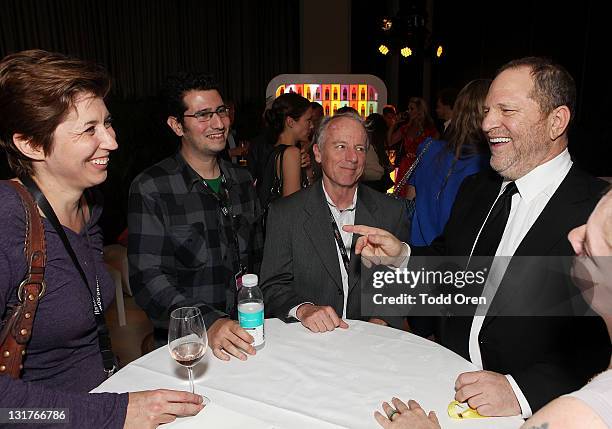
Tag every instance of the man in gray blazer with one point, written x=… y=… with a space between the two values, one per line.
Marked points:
x=310 y=271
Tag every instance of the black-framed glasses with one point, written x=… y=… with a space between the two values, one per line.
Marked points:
x=207 y=115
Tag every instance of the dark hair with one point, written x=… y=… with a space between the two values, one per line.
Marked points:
x=464 y=134
x=389 y=108
x=448 y=96
x=553 y=86
x=347 y=109
x=286 y=105
x=177 y=85
x=37 y=91
x=316 y=106
x=377 y=129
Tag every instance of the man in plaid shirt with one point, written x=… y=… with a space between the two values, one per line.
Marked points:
x=194 y=222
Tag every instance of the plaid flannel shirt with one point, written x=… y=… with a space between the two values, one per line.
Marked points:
x=181 y=245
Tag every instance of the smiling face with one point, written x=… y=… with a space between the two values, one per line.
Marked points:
x=342 y=155
x=518 y=132
x=81 y=146
x=201 y=139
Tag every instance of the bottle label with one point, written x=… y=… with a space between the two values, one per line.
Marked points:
x=251 y=317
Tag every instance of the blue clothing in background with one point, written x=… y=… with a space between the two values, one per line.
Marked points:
x=436 y=189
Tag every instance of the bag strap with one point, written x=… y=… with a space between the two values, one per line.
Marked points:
x=279 y=175
x=17 y=330
x=108 y=357
x=402 y=183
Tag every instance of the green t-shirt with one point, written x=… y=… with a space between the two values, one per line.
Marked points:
x=214 y=184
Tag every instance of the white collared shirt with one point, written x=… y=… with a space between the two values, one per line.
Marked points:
x=534 y=191
x=342 y=217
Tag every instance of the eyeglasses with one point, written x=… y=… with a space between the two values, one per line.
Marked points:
x=205 y=115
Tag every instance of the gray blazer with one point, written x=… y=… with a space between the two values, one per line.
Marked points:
x=300 y=262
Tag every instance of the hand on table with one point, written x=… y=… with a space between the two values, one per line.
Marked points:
x=487 y=392
x=406 y=416
x=151 y=408
x=226 y=335
x=378 y=246
x=319 y=319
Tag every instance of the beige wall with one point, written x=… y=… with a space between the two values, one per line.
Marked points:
x=326 y=36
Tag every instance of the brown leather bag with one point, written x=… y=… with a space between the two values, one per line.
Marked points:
x=16 y=328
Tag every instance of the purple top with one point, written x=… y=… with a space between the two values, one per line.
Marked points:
x=63 y=360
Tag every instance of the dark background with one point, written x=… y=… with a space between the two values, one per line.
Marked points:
x=246 y=43
x=479 y=36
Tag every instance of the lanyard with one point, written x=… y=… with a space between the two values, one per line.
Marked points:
x=339 y=242
x=223 y=200
x=104 y=342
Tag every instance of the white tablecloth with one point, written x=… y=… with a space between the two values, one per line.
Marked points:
x=307 y=380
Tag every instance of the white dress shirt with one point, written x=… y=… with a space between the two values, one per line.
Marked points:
x=342 y=217
x=534 y=191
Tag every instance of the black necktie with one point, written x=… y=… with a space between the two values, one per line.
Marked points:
x=493 y=229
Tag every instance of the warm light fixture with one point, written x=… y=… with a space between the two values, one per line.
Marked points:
x=406 y=52
x=383 y=49
x=439 y=51
x=387 y=24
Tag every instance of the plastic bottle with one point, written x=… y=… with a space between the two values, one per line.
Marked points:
x=251 y=310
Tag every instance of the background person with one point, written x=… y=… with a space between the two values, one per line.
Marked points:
x=445 y=164
x=410 y=135
x=445 y=106
x=290 y=122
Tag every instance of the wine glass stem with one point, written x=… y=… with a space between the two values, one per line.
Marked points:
x=191 y=379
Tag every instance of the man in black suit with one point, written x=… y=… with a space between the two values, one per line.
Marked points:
x=310 y=271
x=526 y=361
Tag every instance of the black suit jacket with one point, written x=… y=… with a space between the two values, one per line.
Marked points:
x=526 y=332
x=300 y=261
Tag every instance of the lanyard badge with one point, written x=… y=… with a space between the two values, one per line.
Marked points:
x=223 y=199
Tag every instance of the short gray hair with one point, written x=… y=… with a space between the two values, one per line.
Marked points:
x=319 y=136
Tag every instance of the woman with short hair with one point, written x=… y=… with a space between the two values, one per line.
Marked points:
x=58 y=136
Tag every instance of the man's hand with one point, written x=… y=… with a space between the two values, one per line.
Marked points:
x=319 y=319
x=227 y=335
x=151 y=408
x=487 y=392
x=406 y=416
x=377 y=321
x=378 y=246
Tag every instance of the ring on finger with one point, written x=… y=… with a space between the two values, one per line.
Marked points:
x=392 y=413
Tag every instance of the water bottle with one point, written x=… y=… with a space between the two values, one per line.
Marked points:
x=251 y=310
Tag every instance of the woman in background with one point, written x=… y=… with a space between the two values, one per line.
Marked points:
x=290 y=122
x=377 y=166
x=419 y=127
x=445 y=164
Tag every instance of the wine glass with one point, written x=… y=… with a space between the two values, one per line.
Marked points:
x=187 y=339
